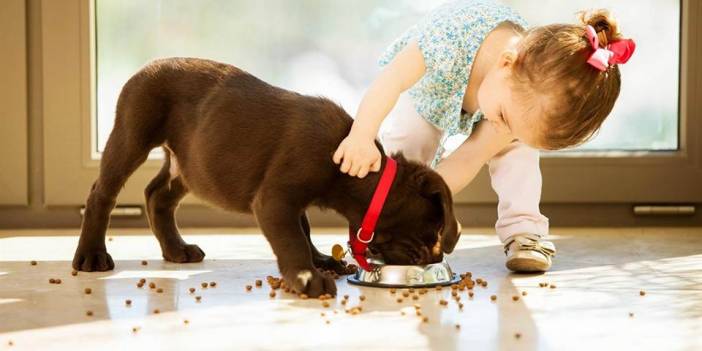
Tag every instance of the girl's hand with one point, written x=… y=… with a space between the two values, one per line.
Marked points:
x=359 y=155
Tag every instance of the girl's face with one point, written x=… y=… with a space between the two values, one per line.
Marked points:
x=505 y=110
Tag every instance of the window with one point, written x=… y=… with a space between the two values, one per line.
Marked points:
x=330 y=47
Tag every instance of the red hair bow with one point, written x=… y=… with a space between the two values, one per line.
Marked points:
x=616 y=52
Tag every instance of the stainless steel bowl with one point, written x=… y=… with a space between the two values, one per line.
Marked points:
x=393 y=276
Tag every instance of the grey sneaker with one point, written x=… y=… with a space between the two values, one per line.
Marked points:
x=528 y=253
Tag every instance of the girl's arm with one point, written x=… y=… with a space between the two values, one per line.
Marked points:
x=358 y=150
x=459 y=168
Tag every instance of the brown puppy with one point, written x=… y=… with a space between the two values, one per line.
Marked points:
x=244 y=145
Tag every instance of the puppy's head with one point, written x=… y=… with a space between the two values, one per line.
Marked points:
x=417 y=224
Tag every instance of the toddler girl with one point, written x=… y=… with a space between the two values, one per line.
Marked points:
x=471 y=68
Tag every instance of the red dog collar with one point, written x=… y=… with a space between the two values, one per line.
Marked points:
x=359 y=240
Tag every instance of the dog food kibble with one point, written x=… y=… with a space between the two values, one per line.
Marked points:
x=327 y=321
x=343 y=302
x=109 y=239
x=272 y=294
x=524 y=293
x=415 y=297
x=152 y=285
x=425 y=319
x=470 y=294
x=399 y=300
x=10 y=343
x=140 y=285
x=418 y=313
x=458 y=326
x=553 y=286
x=460 y=306
x=192 y=290
x=156 y=311
x=454 y=286
x=89 y=313
x=259 y=283
x=135 y=329
x=392 y=290
x=142 y=280
x=52 y=281
x=159 y=290
x=128 y=302
x=304 y=296
x=515 y=298
x=517 y=335
x=213 y=284
x=248 y=288
x=484 y=284
x=411 y=290
x=346 y=297
x=74 y=273
x=402 y=313
x=33 y=263
x=325 y=304
x=204 y=285
x=493 y=297
x=362 y=297
x=88 y=291
x=438 y=288
x=631 y=314
x=642 y=293
x=185 y=321
x=405 y=294
x=479 y=281
x=144 y=263
x=454 y=293
x=443 y=302
x=198 y=298
x=58 y=281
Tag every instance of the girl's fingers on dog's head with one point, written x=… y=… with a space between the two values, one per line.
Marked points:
x=338 y=155
x=363 y=172
x=355 y=167
x=376 y=165
x=346 y=165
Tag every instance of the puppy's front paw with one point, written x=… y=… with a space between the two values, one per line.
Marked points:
x=89 y=260
x=328 y=263
x=310 y=282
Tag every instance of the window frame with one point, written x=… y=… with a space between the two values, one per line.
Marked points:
x=68 y=67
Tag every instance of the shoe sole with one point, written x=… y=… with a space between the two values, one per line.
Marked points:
x=526 y=265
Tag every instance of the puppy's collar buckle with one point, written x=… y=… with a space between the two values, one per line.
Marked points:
x=358 y=236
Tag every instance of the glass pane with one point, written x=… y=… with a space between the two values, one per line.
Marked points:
x=326 y=47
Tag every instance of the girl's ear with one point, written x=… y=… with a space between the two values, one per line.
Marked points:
x=507 y=58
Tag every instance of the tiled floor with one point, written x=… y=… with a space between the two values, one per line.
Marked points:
x=598 y=274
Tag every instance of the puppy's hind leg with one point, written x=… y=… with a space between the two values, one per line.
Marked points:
x=163 y=194
x=119 y=160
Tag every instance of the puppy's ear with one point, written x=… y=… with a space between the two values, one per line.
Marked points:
x=435 y=188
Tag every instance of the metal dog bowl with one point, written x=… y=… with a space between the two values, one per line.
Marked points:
x=393 y=276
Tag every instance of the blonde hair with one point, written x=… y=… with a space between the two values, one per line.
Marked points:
x=552 y=59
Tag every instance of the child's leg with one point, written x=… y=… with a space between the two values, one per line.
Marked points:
x=407 y=131
x=516 y=178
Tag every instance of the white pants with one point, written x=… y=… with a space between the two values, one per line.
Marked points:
x=514 y=172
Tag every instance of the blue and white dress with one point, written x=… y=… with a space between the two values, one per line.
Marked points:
x=449 y=38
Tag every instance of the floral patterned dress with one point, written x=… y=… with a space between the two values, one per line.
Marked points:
x=449 y=38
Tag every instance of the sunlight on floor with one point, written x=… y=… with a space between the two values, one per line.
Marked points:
x=613 y=289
